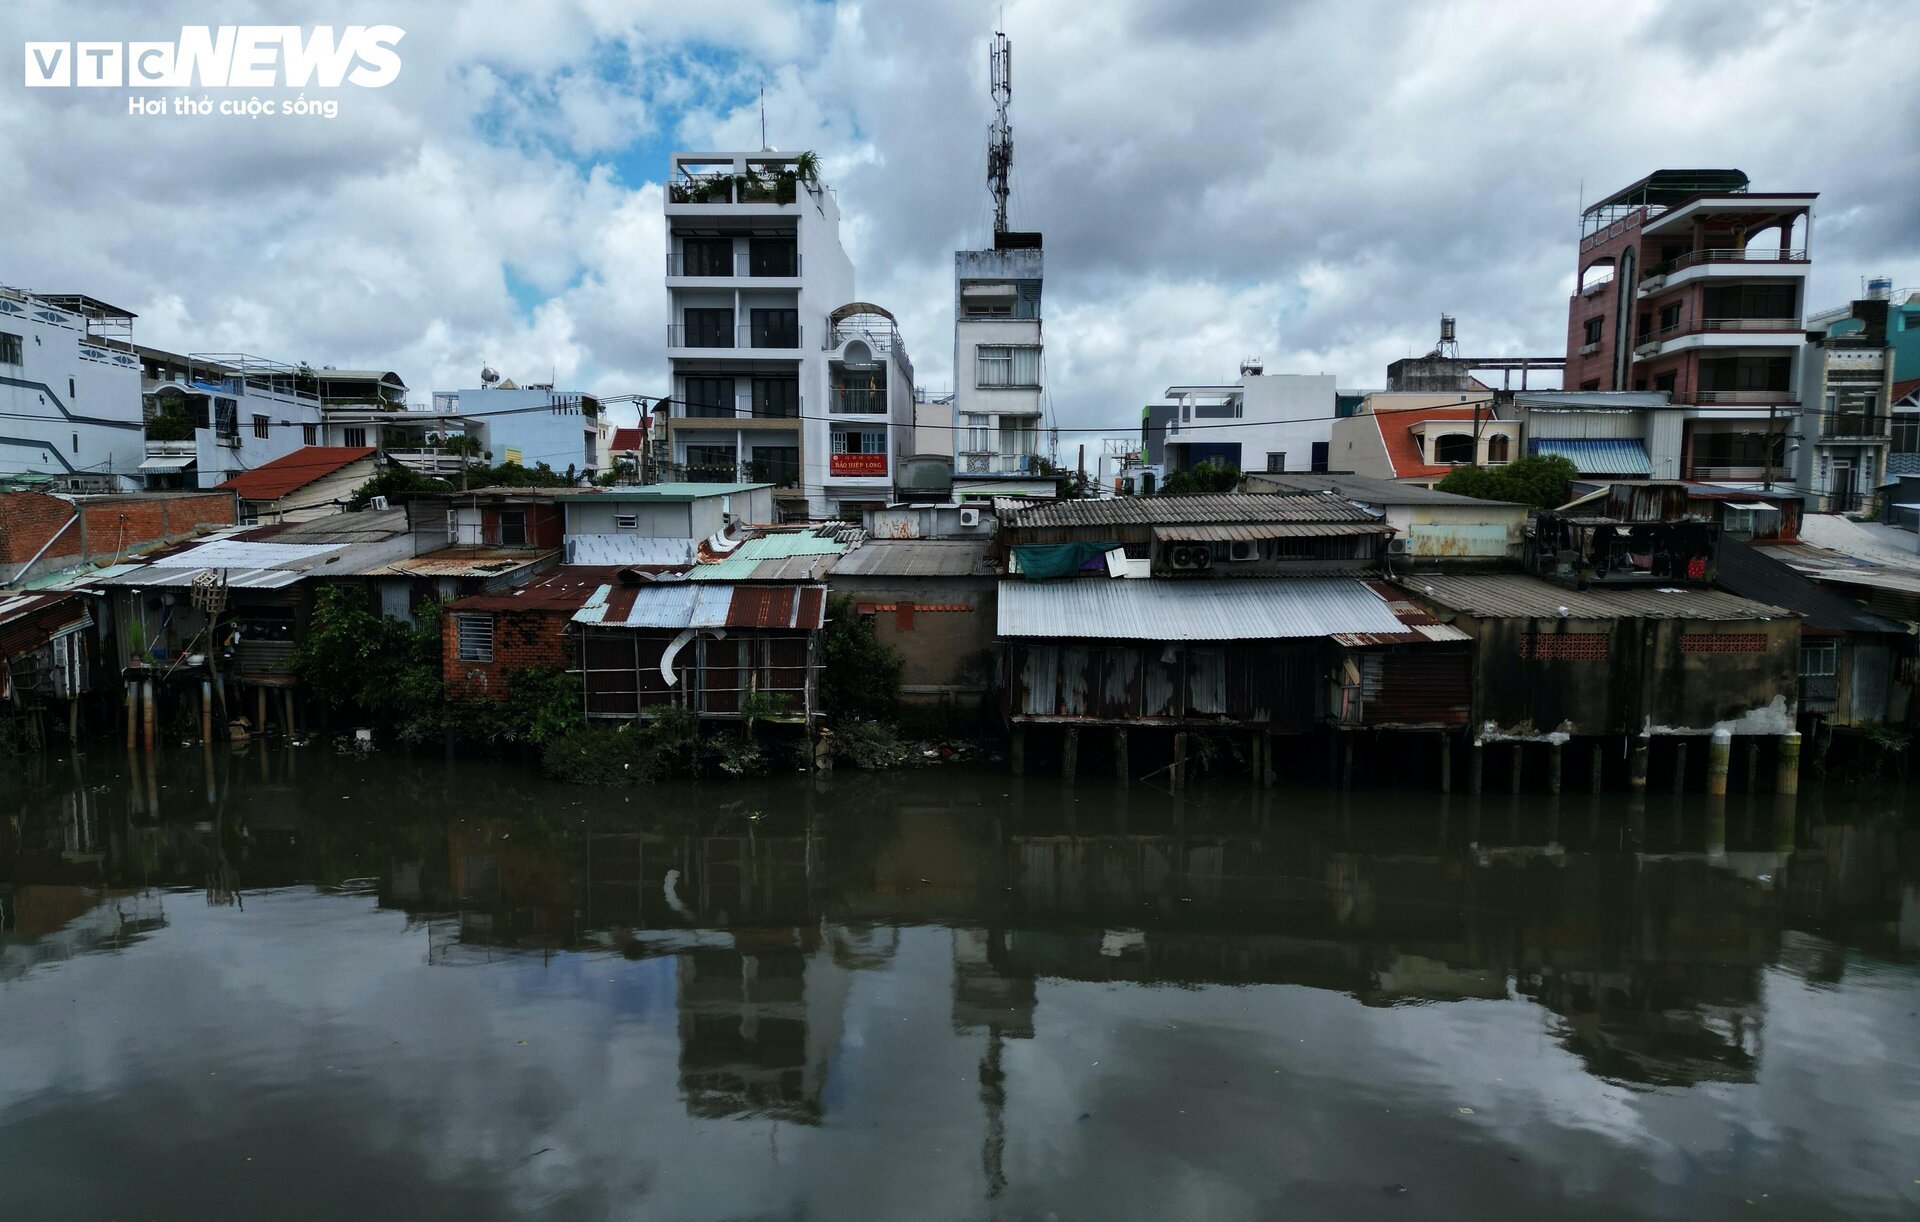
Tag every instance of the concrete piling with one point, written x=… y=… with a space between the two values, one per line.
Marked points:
x=1553 y=769
x=1719 y=756
x=1476 y=765
x=1446 y=763
x=1786 y=777
x=1679 y=765
x=1121 y=772
x=1519 y=765
x=1637 y=776
x=1017 y=752
x=206 y=710
x=1069 y=753
x=147 y=715
x=1599 y=768
x=1179 y=760
x=1267 y=776
x=132 y=712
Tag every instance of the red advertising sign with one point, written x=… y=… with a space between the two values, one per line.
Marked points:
x=857 y=464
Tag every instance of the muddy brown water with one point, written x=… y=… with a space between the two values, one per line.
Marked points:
x=290 y=984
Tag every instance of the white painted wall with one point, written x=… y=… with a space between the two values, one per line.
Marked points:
x=71 y=405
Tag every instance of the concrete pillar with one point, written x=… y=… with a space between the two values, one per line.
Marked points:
x=147 y=715
x=260 y=710
x=1753 y=762
x=1267 y=775
x=1786 y=777
x=1637 y=774
x=1553 y=769
x=1599 y=768
x=288 y=724
x=1679 y=765
x=1719 y=756
x=1476 y=766
x=132 y=704
x=1519 y=764
x=1017 y=751
x=1446 y=763
x=1179 y=760
x=206 y=710
x=73 y=724
x=1121 y=772
x=1069 y=753
x=1346 y=761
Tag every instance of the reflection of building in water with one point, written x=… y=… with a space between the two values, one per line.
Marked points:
x=989 y=993
x=42 y=924
x=759 y=1025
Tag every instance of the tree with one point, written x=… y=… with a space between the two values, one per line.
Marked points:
x=393 y=480
x=1208 y=477
x=859 y=676
x=1539 y=480
x=353 y=659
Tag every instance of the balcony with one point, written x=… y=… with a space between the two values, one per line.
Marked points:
x=680 y=336
x=1740 y=398
x=755 y=335
x=742 y=265
x=757 y=187
x=856 y=402
x=1743 y=475
x=1718 y=333
x=1857 y=426
x=1696 y=263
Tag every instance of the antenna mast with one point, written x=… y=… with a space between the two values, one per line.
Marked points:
x=763 y=118
x=999 y=135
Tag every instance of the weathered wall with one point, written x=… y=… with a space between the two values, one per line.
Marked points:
x=942 y=628
x=1623 y=676
x=522 y=640
x=108 y=526
x=1275 y=684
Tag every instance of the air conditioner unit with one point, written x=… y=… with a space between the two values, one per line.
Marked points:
x=1185 y=556
x=1243 y=550
x=1396 y=547
x=969 y=517
x=379 y=502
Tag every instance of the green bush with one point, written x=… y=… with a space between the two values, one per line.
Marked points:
x=660 y=748
x=859 y=676
x=354 y=660
x=1539 y=480
x=1208 y=477
x=868 y=745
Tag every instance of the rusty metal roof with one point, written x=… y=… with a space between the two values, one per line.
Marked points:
x=1250 y=608
x=1229 y=532
x=564 y=589
x=466 y=562
x=918 y=558
x=707 y=604
x=1187 y=510
x=1516 y=596
x=1418 y=626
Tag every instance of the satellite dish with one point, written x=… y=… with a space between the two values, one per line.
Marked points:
x=489 y=375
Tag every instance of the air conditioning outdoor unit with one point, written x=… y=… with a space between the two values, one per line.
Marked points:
x=1243 y=550
x=379 y=502
x=1197 y=556
x=969 y=517
x=1396 y=547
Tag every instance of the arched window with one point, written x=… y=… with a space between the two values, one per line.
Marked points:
x=1453 y=449
x=1498 y=449
x=1598 y=272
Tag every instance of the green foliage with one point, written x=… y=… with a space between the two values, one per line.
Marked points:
x=173 y=425
x=664 y=746
x=806 y=166
x=1068 y=484
x=869 y=745
x=513 y=475
x=1539 y=480
x=1208 y=477
x=393 y=481
x=859 y=676
x=354 y=660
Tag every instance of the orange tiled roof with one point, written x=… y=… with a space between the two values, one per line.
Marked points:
x=271 y=481
x=1403 y=451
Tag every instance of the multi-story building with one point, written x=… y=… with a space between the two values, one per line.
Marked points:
x=1264 y=422
x=1691 y=283
x=69 y=391
x=211 y=417
x=529 y=425
x=778 y=374
x=999 y=365
x=1846 y=419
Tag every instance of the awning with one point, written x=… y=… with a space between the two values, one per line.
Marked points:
x=1237 y=609
x=167 y=462
x=1754 y=505
x=1597 y=455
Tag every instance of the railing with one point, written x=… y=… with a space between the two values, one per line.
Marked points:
x=732 y=188
x=176 y=449
x=1695 y=258
x=1739 y=473
x=1593 y=286
x=752 y=336
x=678 y=336
x=1717 y=326
x=858 y=402
x=877 y=338
x=741 y=264
x=1749 y=324
x=1856 y=424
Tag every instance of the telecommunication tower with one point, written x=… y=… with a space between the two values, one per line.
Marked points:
x=1000 y=135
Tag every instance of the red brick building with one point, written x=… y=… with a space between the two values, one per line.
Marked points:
x=50 y=532
x=484 y=638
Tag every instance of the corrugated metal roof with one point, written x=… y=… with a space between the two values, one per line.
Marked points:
x=1180 y=510
x=1513 y=595
x=903 y=558
x=1597 y=455
x=682 y=604
x=155 y=577
x=683 y=491
x=1228 y=532
x=1254 y=608
x=1364 y=489
x=1747 y=572
x=740 y=563
x=465 y=562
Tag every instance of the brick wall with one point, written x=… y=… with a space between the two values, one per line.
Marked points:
x=107 y=526
x=522 y=640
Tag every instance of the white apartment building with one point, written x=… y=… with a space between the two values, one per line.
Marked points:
x=1264 y=422
x=69 y=391
x=528 y=425
x=210 y=417
x=778 y=374
x=999 y=366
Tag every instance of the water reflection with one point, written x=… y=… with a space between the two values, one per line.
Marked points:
x=1646 y=940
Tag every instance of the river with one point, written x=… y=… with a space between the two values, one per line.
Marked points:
x=294 y=984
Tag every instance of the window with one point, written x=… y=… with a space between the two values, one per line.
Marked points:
x=776 y=328
x=1499 y=449
x=776 y=465
x=309 y=434
x=708 y=328
x=712 y=463
x=1320 y=449
x=710 y=396
x=1590 y=384
x=974 y=437
x=773 y=257
x=1593 y=329
x=860 y=441
x=1666 y=382
x=626 y=521
x=513 y=528
x=353 y=437
x=706 y=257
x=1007 y=366
x=1819 y=659
x=475 y=636
x=1906 y=433
x=1670 y=317
x=1646 y=324
x=11 y=352
x=1453 y=448
x=776 y=397
x=260 y=427
x=76 y=443
x=72 y=393
x=1276 y=460
x=226 y=417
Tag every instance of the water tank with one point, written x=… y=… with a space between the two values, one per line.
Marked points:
x=1880 y=288
x=923 y=479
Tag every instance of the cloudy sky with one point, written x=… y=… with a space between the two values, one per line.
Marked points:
x=1311 y=183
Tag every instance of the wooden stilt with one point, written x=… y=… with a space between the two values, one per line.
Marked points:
x=1267 y=775
x=147 y=717
x=132 y=707
x=1519 y=765
x=260 y=710
x=1069 y=753
x=1637 y=776
x=1179 y=760
x=1017 y=752
x=1121 y=772
x=1476 y=766
x=1346 y=761
x=1753 y=762
x=1679 y=765
x=1553 y=769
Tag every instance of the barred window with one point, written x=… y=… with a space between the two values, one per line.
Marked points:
x=476 y=638
x=1564 y=646
x=1819 y=659
x=1723 y=642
